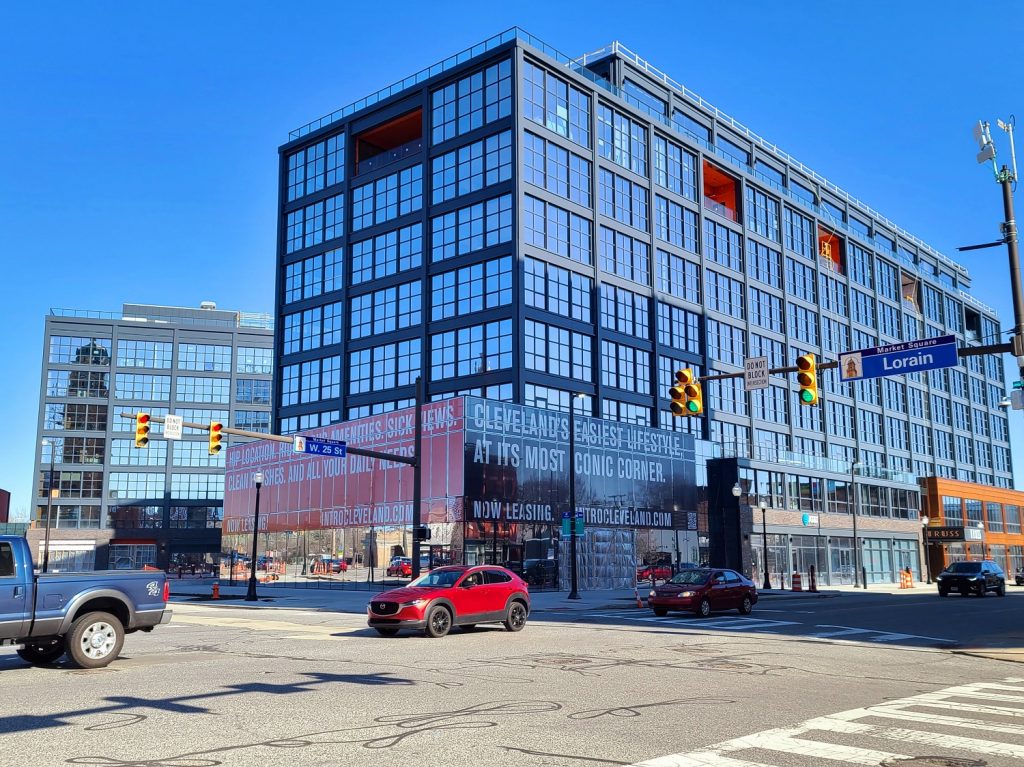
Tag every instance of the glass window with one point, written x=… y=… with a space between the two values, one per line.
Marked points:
x=625 y=311
x=197 y=389
x=471 y=350
x=316 y=166
x=252 y=391
x=724 y=294
x=137 y=386
x=625 y=256
x=313 y=276
x=385 y=367
x=472 y=167
x=623 y=200
x=561 y=172
x=70 y=350
x=195 y=453
x=558 y=351
x=253 y=420
x=553 y=103
x=621 y=140
x=678 y=276
x=251 y=359
x=387 y=254
x=678 y=328
x=557 y=290
x=675 y=224
x=315 y=223
x=144 y=354
x=675 y=168
x=625 y=367
x=471 y=102
x=133 y=485
x=722 y=245
x=386 y=310
x=762 y=213
x=471 y=289
x=557 y=230
x=205 y=357
x=471 y=228
x=994 y=516
x=124 y=453
x=387 y=198
x=799 y=233
x=77 y=383
x=764 y=264
x=198 y=486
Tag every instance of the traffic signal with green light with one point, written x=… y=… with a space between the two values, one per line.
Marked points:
x=687 y=397
x=141 y=429
x=216 y=437
x=807 y=377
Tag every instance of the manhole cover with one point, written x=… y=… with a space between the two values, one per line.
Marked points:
x=934 y=761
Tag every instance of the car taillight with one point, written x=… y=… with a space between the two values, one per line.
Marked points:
x=167 y=590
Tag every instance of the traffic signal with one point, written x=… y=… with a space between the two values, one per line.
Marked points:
x=141 y=429
x=807 y=377
x=694 y=397
x=422 y=533
x=678 y=391
x=687 y=397
x=216 y=436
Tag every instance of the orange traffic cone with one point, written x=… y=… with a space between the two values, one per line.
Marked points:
x=216 y=591
x=636 y=593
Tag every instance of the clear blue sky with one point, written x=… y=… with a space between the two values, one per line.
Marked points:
x=138 y=143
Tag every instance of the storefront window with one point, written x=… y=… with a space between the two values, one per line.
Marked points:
x=876 y=557
x=841 y=561
x=906 y=554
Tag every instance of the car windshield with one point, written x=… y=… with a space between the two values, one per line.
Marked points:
x=437 y=578
x=690 y=576
x=964 y=567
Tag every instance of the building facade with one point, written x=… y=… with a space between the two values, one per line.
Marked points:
x=516 y=224
x=109 y=503
x=985 y=522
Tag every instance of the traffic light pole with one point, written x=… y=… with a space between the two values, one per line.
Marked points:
x=417 y=475
x=1010 y=234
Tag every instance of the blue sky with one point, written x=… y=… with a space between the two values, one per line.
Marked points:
x=138 y=143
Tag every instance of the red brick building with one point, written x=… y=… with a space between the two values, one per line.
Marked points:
x=991 y=517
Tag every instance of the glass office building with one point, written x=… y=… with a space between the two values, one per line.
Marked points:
x=115 y=505
x=519 y=225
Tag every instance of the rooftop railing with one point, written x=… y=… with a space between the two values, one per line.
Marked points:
x=259 y=320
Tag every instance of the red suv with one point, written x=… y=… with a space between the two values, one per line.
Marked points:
x=452 y=596
x=660 y=572
x=703 y=590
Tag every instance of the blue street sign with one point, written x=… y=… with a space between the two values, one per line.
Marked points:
x=317 y=446
x=898 y=359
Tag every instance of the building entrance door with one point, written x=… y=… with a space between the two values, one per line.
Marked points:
x=841 y=563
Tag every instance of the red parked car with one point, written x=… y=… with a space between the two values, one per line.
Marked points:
x=452 y=596
x=400 y=567
x=661 y=572
x=704 y=590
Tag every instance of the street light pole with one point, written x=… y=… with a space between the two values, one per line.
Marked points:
x=250 y=594
x=49 y=505
x=764 y=537
x=856 y=547
x=573 y=562
x=927 y=547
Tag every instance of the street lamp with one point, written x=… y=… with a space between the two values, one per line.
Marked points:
x=49 y=504
x=250 y=594
x=855 y=500
x=927 y=547
x=764 y=537
x=573 y=561
x=981 y=531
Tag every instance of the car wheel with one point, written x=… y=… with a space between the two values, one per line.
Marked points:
x=439 y=622
x=661 y=612
x=95 y=640
x=40 y=654
x=1001 y=590
x=386 y=631
x=704 y=608
x=515 y=617
x=746 y=606
x=981 y=590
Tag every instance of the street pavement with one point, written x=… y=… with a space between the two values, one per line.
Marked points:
x=803 y=682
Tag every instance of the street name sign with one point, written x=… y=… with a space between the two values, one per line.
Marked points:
x=317 y=446
x=898 y=359
x=172 y=426
x=755 y=373
x=953 y=534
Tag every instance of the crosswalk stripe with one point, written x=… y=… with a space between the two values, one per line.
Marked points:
x=783 y=740
x=844 y=632
x=942 y=739
x=804 y=741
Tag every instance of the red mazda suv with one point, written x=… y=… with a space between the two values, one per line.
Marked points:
x=452 y=596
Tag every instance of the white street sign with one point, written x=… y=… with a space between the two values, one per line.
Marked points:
x=755 y=373
x=172 y=426
x=1017 y=399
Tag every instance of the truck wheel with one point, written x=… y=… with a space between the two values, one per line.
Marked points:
x=95 y=639
x=41 y=654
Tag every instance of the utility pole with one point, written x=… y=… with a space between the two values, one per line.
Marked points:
x=417 y=476
x=1007 y=179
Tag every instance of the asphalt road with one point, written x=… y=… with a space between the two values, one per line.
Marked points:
x=229 y=685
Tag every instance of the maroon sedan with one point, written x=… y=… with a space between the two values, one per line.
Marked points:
x=704 y=590
x=452 y=596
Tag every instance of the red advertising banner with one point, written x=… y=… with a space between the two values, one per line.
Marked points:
x=303 y=492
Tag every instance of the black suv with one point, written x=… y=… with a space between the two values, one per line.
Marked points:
x=972 y=578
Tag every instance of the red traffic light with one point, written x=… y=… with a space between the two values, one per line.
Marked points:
x=142 y=418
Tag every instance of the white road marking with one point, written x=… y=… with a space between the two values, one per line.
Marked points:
x=802 y=741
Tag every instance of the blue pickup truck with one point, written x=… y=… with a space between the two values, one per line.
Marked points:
x=85 y=615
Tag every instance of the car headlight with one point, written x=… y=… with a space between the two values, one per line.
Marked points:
x=413 y=603
x=687 y=594
x=974 y=578
x=652 y=594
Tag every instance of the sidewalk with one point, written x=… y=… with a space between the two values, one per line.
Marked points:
x=354 y=601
